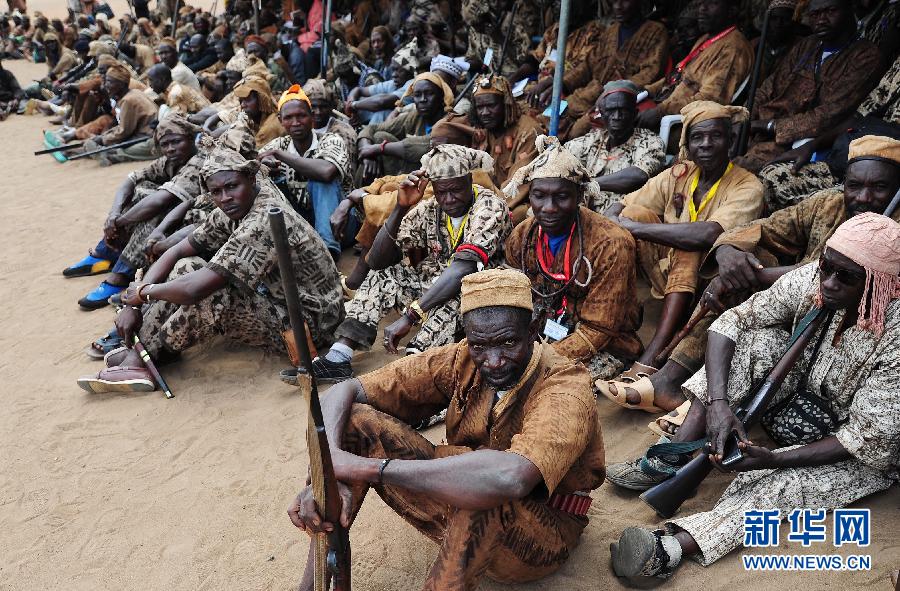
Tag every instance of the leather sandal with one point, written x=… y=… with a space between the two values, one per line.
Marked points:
x=617 y=391
x=636 y=372
x=675 y=417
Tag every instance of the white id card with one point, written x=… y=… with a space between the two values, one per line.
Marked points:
x=554 y=330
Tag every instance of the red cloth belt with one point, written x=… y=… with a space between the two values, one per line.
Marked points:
x=575 y=503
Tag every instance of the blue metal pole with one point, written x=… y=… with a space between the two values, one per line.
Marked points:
x=560 y=68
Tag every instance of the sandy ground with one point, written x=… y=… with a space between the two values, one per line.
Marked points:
x=137 y=492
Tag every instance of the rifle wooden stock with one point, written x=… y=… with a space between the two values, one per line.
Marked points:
x=702 y=311
x=125 y=144
x=332 y=553
x=666 y=497
x=59 y=148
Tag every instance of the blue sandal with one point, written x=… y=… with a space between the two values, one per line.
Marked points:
x=99 y=348
x=89 y=265
x=99 y=297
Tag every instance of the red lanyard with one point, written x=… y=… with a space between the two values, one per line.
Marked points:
x=546 y=258
x=676 y=75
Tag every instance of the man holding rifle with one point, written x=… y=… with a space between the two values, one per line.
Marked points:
x=509 y=496
x=835 y=417
x=184 y=300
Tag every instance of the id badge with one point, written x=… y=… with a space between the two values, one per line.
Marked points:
x=555 y=331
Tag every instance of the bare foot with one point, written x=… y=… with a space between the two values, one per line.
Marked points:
x=666 y=382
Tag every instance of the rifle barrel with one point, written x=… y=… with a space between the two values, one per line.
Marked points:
x=892 y=206
x=744 y=139
x=59 y=148
x=667 y=496
x=124 y=144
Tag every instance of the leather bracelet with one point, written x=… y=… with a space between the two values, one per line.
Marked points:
x=140 y=290
x=381 y=468
x=383 y=144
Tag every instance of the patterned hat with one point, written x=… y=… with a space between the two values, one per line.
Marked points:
x=451 y=161
x=405 y=57
x=495 y=84
x=167 y=41
x=495 y=287
x=318 y=89
x=553 y=162
x=221 y=159
x=177 y=124
x=475 y=10
x=240 y=61
x=789 y=4
x=614 y=86
x=456 y=67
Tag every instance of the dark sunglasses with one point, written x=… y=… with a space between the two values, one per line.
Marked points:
x=845 y=276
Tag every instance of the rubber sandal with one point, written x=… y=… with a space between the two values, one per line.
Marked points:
x=617 y=391
x=641 y=553
x=99 y=348
x=89 y=265
x=51 y=140
x=675 y=417
x=99 y=297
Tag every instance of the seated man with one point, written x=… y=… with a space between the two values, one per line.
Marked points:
x=785 y=240
x=581 y=264
x=317 y=169
x=380 y=149
x=176 y=97
x=420 y=256
x=375 y=202
x=717 y=65
x=238 y=293
x=201 y=55
x=505 y=132
x=819 y=81
x=134 y=113
x=257 y=109
x=631 y=48
x=140 y=201
x=852 y=370
x=800 y=172
x=509 y=496
x=620 y=156
x=10 y=92
x=676 y=218
x=168 y=55
x=373 y=103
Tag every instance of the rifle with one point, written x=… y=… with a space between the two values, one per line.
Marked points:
x=125 y=144
x=486 y=62
x=754 y=83
x=512 y=24
x=62 y=148
x=702 y=311
x=77 y=73
x=332 y=552
x=326 y=36
x=667 y=496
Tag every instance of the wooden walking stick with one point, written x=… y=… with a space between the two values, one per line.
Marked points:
x=332 y=551
x=145 y=356
x=701 y=313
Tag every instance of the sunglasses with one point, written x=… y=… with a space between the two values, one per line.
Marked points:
x=845 y=276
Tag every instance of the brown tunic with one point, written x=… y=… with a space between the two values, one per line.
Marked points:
x=136 y=111
x=511 y=149
x=640 y=59
x=549 y=417
x=714 y=75
x=606 y=311
x=805 y=99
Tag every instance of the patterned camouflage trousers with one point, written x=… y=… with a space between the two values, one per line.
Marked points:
x=721 y=530
x=516 y=542
x=133 y=254
x=246 y=317
x=783 y=187
x=395 y=288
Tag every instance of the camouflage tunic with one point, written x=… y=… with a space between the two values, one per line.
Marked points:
x=245 y=255
x=643 y=150
x=424 y=228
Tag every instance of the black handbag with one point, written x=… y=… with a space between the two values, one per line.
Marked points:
x=804 y=417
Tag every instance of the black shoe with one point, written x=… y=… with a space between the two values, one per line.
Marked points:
x=330 y=371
